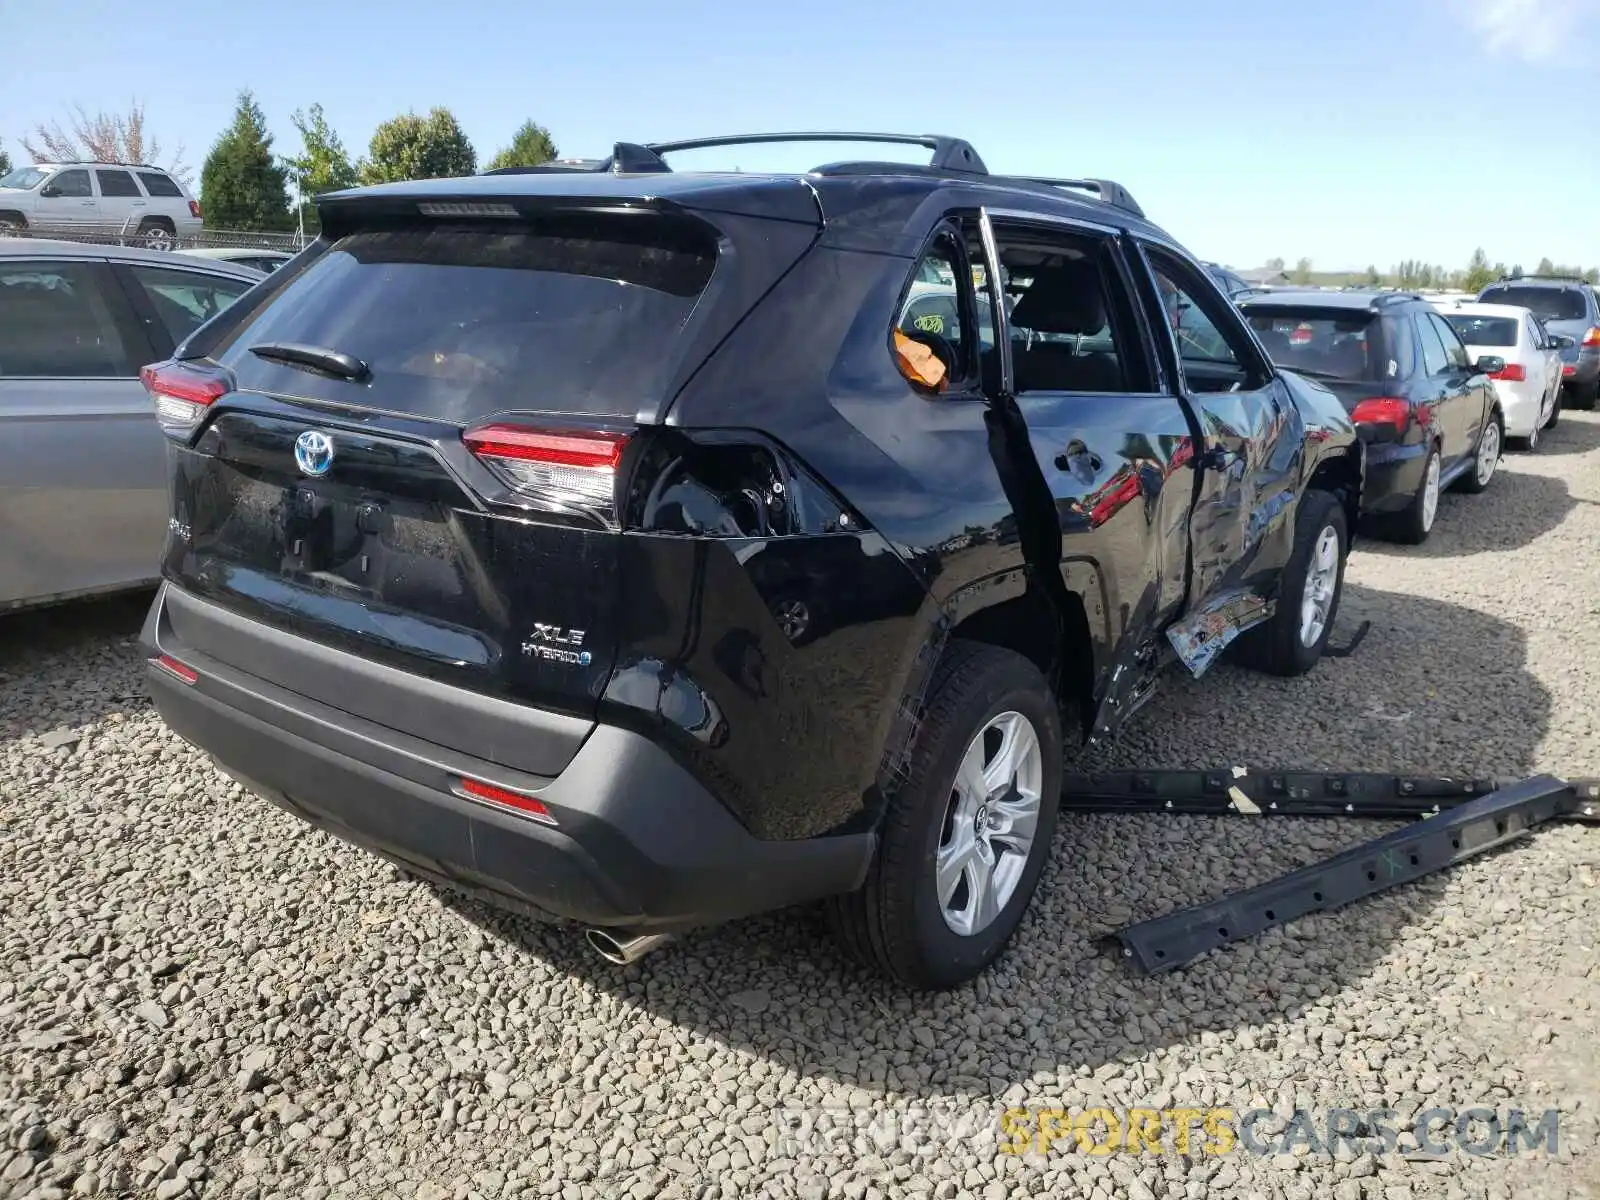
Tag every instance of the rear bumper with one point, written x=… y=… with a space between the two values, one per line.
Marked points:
x=1586 y=371
x=1394 y=474
x=635 y=841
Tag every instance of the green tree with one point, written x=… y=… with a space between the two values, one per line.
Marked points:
x=1302 y=272
x=241 y=184
x=1545 y=267
x=1479 y=273
x=530 y=146
x=413 y=147
x=322 y=165
x=5 y=161
x=1373 y=279
x=1274 y=264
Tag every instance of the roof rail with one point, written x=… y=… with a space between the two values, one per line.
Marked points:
x=949 y=153
x=1109 y=191
x=1552 y=278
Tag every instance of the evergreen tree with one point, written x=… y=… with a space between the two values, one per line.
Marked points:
x=530 y=146
x=241 y=185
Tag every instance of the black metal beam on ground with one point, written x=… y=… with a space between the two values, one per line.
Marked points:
x=1252 y=792
x=1463 y=827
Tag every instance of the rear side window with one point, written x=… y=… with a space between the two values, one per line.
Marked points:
x=457 y=321
x=54 y=323
x=157 y=184
x=115 y=183
x=1434 y=359
x=1551 y=303
x=185 y=300
x=1484 y=331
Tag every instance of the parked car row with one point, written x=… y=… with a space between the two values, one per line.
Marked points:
x=1437 y=385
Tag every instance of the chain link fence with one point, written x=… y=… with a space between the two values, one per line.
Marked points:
x=127 y=233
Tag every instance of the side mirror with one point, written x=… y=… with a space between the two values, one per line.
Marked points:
x=1491 y=364
x=1561 y=341
x=50 y=189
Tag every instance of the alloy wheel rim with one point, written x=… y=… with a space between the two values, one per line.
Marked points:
x=1322 y=575
x=990 y=824
x=1430 y=492
x=1488 y=452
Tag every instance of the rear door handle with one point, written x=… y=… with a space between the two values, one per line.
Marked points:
x=1078 y=455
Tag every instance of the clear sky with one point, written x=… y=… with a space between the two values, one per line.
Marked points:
x=1347 y=131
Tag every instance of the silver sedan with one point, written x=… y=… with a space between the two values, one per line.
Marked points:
x=83 y=467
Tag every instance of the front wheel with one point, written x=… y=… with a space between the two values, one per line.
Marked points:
x=1292 y=641
x=1486 y=459
x=968 y=828
x=1584 y=395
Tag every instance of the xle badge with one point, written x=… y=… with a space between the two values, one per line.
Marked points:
x=552 y=643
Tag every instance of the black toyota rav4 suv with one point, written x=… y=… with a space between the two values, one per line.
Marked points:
x=645 y=549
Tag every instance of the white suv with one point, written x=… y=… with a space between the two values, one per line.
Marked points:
x=132 y=199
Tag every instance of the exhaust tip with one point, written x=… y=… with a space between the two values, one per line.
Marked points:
x=606 y=946
x=621 y=949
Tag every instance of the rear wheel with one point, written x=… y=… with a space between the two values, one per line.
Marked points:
x=1415 y=523
x=157 y=234
x=1554 y=418
x=1486 y=459
x=1583 y=395
x=1308 y=600
x=11 y=226
x=968 y=830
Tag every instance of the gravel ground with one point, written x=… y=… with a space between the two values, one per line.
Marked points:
x=201 y=997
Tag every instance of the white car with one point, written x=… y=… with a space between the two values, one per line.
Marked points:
x=1530 y=384
x=266 y=261
x=135 y=200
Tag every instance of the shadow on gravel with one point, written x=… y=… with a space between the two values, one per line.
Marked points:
x=1434 y=689
x=1518 y=508
x=52 y=663
x=1578 y=433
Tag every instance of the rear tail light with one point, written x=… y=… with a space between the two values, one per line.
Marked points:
x=1513 y=373
x=1592 y=338
x=182 y=392
x=568 y=468
x=1386 y=410
x=499 y=797
x=181 y=671
x=1568 y=369
x=194 y=209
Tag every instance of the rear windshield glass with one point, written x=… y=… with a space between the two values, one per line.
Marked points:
x=1553 y=304
x=1484 y=331
x=1335 y=345
x=458 y=321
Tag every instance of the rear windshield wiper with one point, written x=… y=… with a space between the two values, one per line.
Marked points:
x=314 y=358
x=1312 y=371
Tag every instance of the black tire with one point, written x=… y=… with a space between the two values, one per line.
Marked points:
x=895 y=923
x=1412 y=525
x=1531 y=443
x=1277 y=646
x=1470 y=482
x=1555 y=409
x=157 y=233
x=12 y=226
x=1583 y=396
